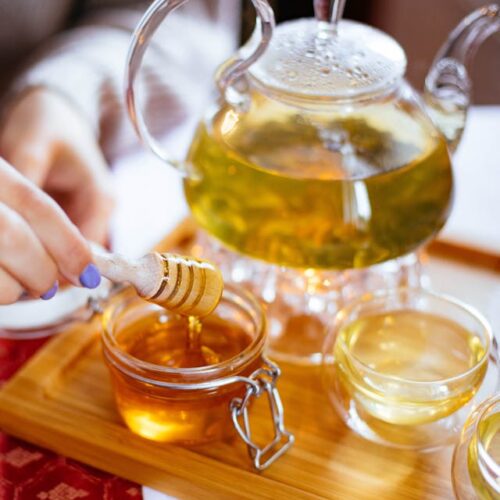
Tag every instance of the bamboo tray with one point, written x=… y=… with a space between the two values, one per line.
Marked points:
x=62 y=400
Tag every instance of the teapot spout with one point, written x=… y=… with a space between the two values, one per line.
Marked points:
x=448 y=87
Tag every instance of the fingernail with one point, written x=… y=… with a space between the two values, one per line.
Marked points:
x=90 y=278
x=50 y=293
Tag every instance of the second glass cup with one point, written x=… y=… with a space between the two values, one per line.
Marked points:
x=476 y=462
x=403 y=367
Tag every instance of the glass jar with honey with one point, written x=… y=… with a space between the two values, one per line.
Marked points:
x=190 y=381
x=404 y=367
x=476 y=461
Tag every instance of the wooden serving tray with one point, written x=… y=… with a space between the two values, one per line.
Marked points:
x=62 y=400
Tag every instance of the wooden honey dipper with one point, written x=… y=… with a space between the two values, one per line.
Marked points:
x=185 y=285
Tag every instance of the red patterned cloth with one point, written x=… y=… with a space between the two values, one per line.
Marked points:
x=28 y=472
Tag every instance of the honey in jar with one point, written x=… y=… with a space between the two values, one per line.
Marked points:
x=174 y=378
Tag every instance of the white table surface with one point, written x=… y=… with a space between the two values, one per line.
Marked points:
x=475 y=219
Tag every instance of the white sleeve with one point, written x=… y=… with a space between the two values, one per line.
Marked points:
x=87 y=65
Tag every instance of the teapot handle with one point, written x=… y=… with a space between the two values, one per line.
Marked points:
x=447 y=85
x=230 y=73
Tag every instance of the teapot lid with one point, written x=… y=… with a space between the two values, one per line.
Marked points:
x=309 y=60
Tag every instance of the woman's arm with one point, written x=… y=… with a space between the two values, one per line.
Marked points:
x=66 y=118
x=87 y=66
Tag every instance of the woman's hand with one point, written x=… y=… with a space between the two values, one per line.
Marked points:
x=51 y=144
x=37 y=242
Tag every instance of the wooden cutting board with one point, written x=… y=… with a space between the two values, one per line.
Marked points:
x=62 y=400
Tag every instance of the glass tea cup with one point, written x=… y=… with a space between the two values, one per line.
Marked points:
x=476 y=461
x=403 y=367
x=161 y=401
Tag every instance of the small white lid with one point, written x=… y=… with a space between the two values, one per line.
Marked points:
x=37 y=313
x=308 y=59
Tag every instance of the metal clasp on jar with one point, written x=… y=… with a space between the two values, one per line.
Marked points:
x=262 y=382
x=97 y=302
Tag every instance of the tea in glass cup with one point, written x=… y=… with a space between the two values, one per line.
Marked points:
x=402 y=367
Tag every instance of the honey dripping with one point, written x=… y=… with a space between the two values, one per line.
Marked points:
x=196 y=354
x=184 y=342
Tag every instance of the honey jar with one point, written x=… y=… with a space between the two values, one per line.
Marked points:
x=404 y=367
x=190 y=381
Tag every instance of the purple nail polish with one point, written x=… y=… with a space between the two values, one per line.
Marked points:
x=50 y=293
x=90 y=277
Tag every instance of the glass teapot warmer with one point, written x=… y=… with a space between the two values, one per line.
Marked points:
x=320 y=171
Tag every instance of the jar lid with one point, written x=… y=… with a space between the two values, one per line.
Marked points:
x=36 y=314
x=310 y=59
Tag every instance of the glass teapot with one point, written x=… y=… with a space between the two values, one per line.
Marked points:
x=319 y=155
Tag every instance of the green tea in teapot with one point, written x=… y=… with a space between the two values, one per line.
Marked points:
x=331 y=190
